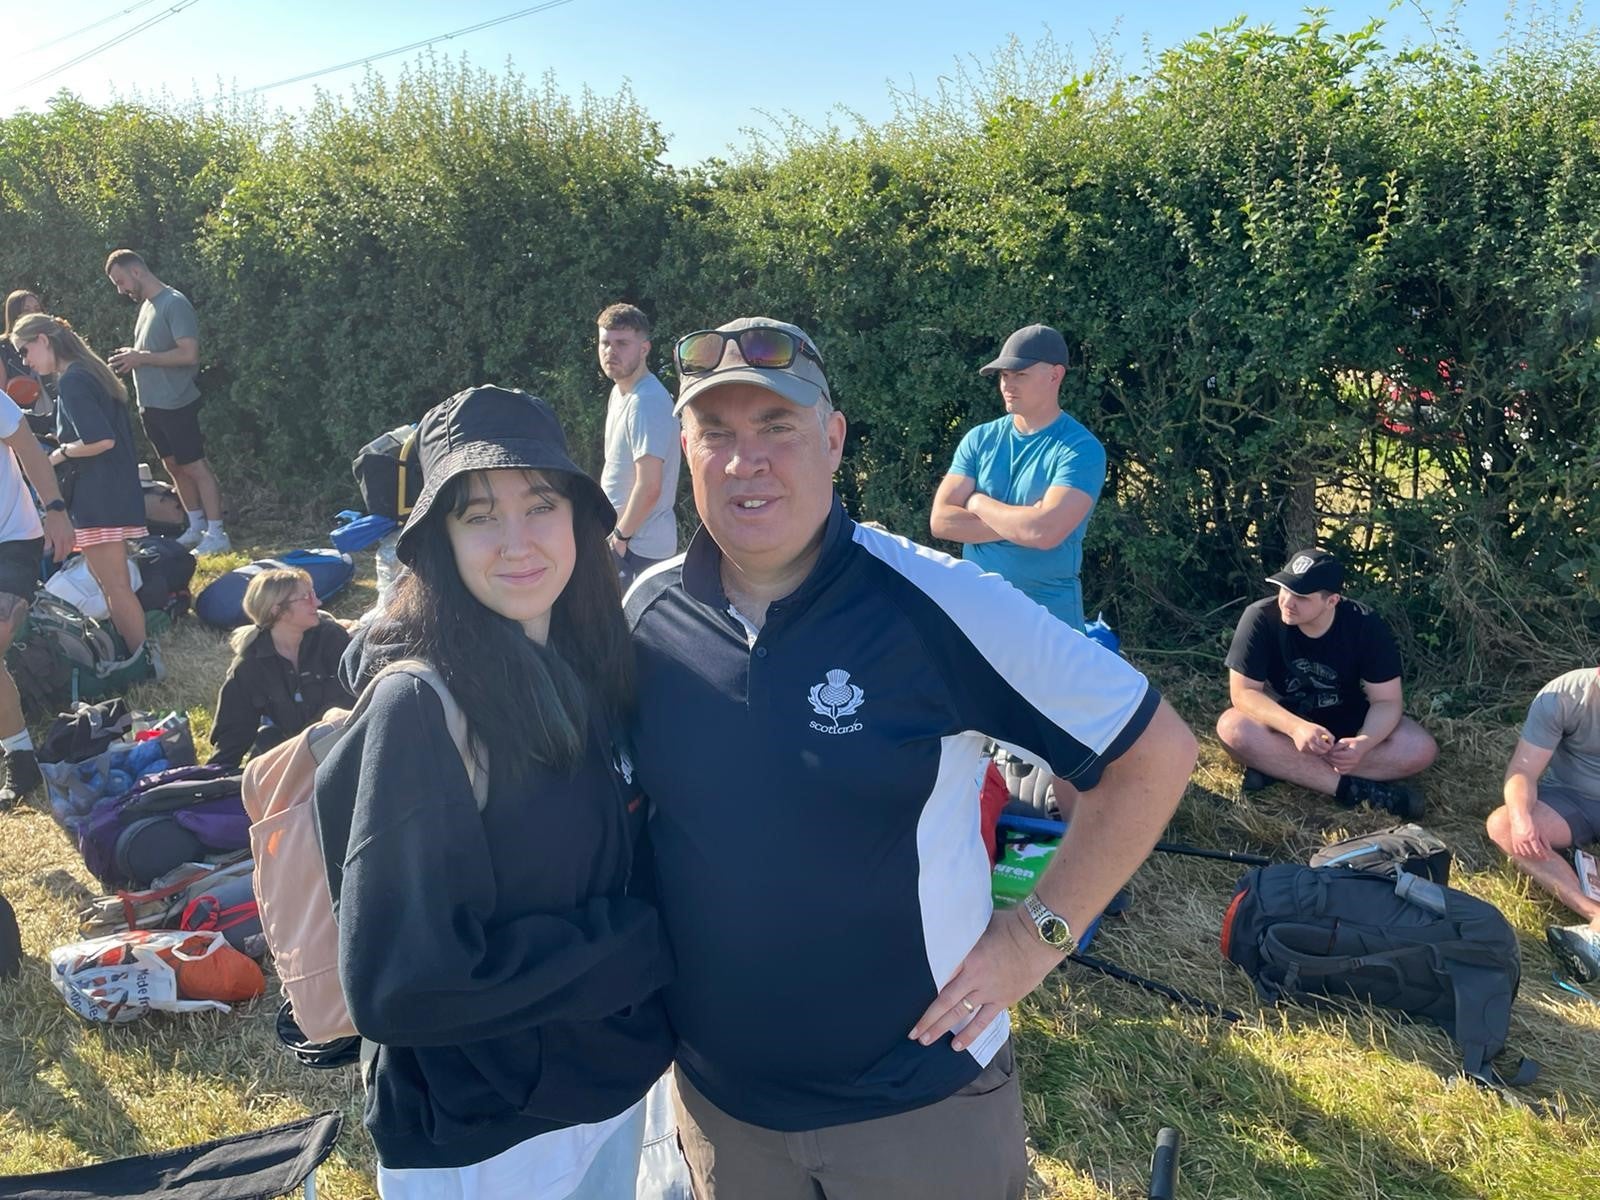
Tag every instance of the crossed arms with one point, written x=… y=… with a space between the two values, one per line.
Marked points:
x=961 y=513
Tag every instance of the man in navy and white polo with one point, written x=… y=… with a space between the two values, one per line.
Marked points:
x=814 y=703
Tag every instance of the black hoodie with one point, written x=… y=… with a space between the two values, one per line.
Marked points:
x=509 y=980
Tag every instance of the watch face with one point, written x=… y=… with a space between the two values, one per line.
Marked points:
x=1056 y=932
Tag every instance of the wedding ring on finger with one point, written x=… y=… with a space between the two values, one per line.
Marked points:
x=968 y=1005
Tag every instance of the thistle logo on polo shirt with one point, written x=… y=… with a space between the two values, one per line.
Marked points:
x=836 y=697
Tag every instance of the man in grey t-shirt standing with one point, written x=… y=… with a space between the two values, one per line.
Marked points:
x=1552 y=802
x=164 y=360
x=643 y=450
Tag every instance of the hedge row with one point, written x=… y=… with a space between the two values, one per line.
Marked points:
x=1322 y=290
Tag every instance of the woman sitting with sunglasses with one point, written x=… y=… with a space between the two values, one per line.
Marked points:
x=495 y=952
x=285 y=670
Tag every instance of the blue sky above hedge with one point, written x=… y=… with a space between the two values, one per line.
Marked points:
x=706 y=71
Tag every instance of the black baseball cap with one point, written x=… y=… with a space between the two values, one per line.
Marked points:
x=488 y=428
x=1028 y=345
x=1308 y=571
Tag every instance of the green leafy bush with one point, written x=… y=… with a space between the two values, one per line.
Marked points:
x=1322 y=290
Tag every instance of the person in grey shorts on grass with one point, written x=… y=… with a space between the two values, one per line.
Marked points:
x=1552 y=802
x=640 y=476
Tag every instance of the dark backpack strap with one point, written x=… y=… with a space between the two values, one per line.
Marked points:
x=1297 y=964
x=1483 y=1013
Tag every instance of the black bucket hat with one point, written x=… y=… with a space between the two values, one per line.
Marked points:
x=489 y=428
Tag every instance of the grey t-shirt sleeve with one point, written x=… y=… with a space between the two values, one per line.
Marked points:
x=1544 y=727
x=180 y=318
x=650 y=425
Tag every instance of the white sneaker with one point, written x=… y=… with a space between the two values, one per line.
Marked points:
x=190 y=538
x=213 y=543
x=1578 y=948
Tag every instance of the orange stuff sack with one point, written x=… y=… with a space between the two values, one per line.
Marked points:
x=212 y=970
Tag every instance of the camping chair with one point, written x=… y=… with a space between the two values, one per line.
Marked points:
x=249 y=1166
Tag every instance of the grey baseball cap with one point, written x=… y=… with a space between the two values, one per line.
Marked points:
x=1028 y=345
x=802 y=381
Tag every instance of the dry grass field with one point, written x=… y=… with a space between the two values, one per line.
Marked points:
x=1286 y=1103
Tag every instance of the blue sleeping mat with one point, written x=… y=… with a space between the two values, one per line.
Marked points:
x=221 y=602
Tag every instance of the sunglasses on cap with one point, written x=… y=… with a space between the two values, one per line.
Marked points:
x=761 y=345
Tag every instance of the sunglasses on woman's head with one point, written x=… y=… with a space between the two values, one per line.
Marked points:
x=761 y=345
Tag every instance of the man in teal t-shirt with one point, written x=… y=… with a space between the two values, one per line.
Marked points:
x=1021 y=488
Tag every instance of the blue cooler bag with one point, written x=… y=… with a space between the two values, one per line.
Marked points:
x=221 y=602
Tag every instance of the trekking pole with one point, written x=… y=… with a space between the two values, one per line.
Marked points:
x=1045 y=827
x=1164 y=1165
x=1236 y=856
x=1164 y=990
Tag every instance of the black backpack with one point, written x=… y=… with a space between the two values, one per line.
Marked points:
x=86 y=732
x=387 y=473
x=164 y=515
x=1390 y=851
x=165 y=567
x=1321 y=934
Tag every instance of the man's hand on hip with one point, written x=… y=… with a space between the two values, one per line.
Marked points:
x=1003 y=966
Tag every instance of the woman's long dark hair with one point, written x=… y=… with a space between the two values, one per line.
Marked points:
x=527 y=704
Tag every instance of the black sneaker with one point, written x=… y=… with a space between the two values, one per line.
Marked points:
x=1401 y=799
x=1255 y=780
x=22 y=777
x=1578 y=948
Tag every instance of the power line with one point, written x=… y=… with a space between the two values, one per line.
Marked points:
x=107 y=45
x=442 y=37
x=67 y=37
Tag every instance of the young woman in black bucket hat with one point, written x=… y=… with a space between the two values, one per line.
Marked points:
x=496 y=959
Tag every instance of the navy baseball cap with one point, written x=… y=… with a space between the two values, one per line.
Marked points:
x=1310 y=570
x=1028 y=345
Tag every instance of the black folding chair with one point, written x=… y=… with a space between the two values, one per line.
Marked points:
x=252 y=1166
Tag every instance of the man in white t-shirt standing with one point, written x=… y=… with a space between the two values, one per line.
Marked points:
x=643 y=452
x=24 y=540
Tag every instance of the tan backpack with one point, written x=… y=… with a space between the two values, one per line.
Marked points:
x=291 y=880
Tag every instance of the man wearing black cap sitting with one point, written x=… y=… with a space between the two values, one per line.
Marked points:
x=1021 y=488
x=1314 y=681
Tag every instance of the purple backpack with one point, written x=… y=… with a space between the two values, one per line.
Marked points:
x=164 y=820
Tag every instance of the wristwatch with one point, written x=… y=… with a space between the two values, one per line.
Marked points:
x=56 y=505
x=1053 y=929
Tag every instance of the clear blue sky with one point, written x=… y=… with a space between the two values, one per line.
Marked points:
x=707 y=72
